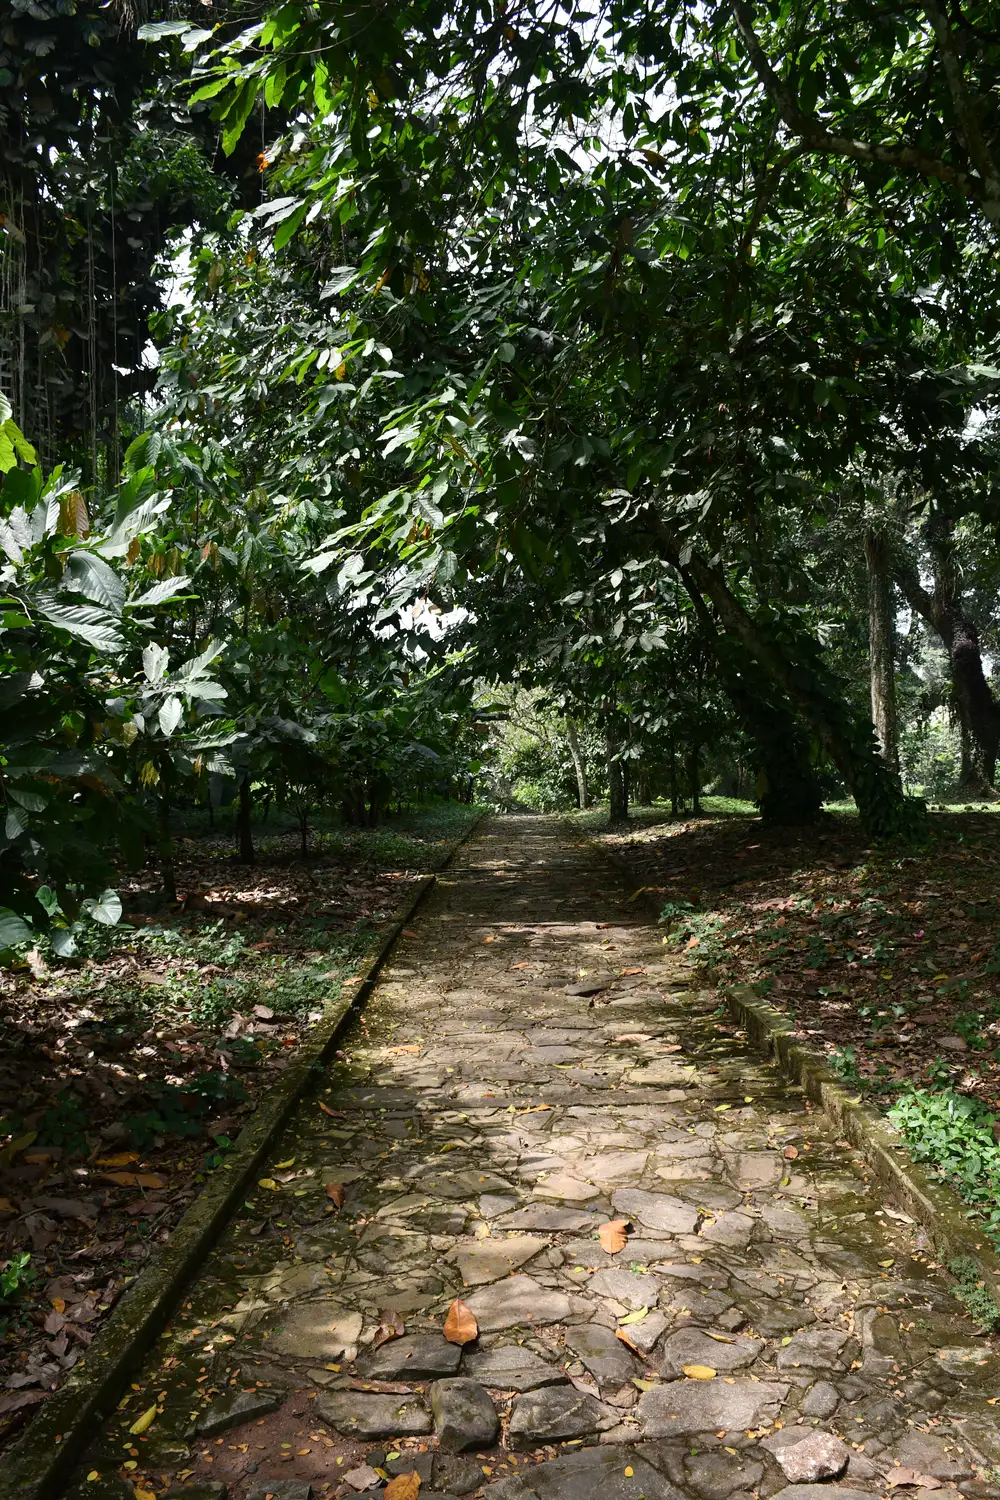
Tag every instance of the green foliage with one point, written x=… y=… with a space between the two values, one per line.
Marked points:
x=970 y=1289
x=180 y=1110
x=956 y=1134
x=15 y=1275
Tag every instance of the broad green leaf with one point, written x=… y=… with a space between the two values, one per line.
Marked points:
x=95 y=579
x=106 y=910
x=13 y=929
x=170 y=715
x=167 y=588
x=85 y=621
x=154 y=662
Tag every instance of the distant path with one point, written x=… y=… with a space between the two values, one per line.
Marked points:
x=530 y=1066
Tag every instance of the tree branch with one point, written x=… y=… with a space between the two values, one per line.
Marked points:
x=818 y=138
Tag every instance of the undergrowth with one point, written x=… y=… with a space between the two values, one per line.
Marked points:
x=955 y=1134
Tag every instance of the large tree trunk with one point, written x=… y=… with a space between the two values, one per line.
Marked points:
x=787 y=788
x=978 y=711
x=579 y=764
x=617 y=780
x=244 y=831
x=881 y=646
x=795 y=666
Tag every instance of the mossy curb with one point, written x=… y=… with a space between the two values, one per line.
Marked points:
x=931 y=1203
x=40 y=1464
x=935 y=1206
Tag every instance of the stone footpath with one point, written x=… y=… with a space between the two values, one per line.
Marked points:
x=531 y=1066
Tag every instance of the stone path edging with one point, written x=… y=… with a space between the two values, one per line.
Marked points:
x=936 y=1207
x=42 y=1460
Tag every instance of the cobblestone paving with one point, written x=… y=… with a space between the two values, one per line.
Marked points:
x=531 y=1065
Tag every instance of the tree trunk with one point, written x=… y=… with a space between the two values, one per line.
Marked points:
x=694 y=777
x=247 y=854
x=166 y=845
x=787 y=789
x=795 y=666
x=579 y=764
x=978 y=711
x=617 y=782
x=881 y=647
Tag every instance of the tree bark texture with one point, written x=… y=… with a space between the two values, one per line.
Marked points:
x=244 y=831
x=579 y=764
x=617 y=779
x=881 y=646
x=944 y=612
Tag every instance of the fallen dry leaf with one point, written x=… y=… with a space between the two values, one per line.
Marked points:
x=409 y=932
x=120 y=1159
x=612 y=1235
x=460 y=1326
x=135 y=1179
x=621 y=1334
x=904 y=1476
x=633 y=971
x=413 y=1048
x=403 y=1487
x=699 y=1372
x=390 y=1327
x=6 y=1207
x=143 y=1423
x=336 y=1193
x=790 y=1153
x=336 y=1114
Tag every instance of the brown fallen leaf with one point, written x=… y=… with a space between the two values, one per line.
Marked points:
x=790 y=1153
x=135 y=1179
x=120 y=1159
x=390 y=1327
x=336 y=1193
x=412 y=1048
x=612 y=1235
x=381 y=1387
x=54 y=1323
x=336 y=1114
x=633 y=971
x=904 y=1476
x=699 y=1372
x=621 y=1334
x=460 y=1326
x=403 y=1487
x=409 y=932
x=14 y=1400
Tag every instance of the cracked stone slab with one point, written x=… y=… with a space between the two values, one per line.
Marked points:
x=488 y=1260
x=602 y=1352
x=517 y=1301
x=591 y=1474
x=316 y=1330
x=464 y=1416
x=415 y=1356
x=510 y=1367
x=691 y=1406
x=364 y=1415
x=656 y=1210
x=693 y=1346
x=557 y=1414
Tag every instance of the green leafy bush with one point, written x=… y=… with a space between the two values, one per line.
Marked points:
x=955 y=1134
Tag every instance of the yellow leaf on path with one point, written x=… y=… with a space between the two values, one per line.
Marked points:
x=460 y=1326
x=629 y=1471
x=634 y=1317
x=135 y=1179
x=143 y=1423
x=403 y=1487
x=621 y=1334
x=612 y=1235
x=280 y=1166
x=93 y=1474
x=268 y=1182
x=144 y=1495
x=58 y=1304
x=120 y=1159
x=720 y=1338
x=699 y=1372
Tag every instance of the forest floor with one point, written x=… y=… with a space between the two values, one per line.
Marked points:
x=126 y=1074
x=887 y=960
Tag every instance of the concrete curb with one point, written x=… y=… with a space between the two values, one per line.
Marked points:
x=930 y=1202
x=41 y=1462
